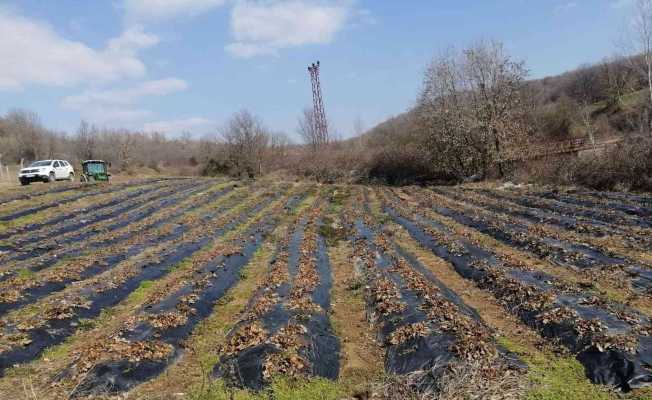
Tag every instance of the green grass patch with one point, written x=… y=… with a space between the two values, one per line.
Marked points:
x=24 y=220
x=555 y=377
x=332 y=231
x=280 y=389
x=563 y=378
x=25 y=273
x=140 y=293
x=58 y=351
x=305 y=389
x=338 y=198
x=182 y=264
x=86 y=324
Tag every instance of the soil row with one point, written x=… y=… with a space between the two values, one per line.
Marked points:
x=544 y=244
x=286 y=330
x=612 y=341
x=26 y=333
x=99 y=257
x=153 y=337
x=428 y=333
x=77 y=230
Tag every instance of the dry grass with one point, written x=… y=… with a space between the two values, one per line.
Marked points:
x=361 y=358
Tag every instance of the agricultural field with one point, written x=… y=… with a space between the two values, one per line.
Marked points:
x=219 y=289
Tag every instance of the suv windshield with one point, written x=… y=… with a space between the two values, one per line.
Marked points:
x=40 y=164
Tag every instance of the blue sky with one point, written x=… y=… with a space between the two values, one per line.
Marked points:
x=186 y=65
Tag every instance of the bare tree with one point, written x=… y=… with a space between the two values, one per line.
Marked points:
x=246 y=140
x=85 y=141
x=29 y=133
x=472 y=107
x=618 y=78
x=637 y=42
x=307 y=129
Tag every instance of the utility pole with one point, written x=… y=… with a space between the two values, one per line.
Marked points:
x=319 y=114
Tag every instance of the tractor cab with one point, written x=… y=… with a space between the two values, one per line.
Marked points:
x=95 y=171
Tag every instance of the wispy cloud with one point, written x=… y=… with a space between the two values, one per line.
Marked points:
x=195 y=125
x=121 y=105
x=139 y=11
x=264 y=28
x=124 y=96
x=32 y=52
x=131 y=40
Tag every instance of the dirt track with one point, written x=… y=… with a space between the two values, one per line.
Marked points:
x=197 y=288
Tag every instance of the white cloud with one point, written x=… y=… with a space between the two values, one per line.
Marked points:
x=161 y=10
x=119 y=106
x=33 y=53
x=132 y=40
x=263 y=28
x=122 y=97
x=178 y=126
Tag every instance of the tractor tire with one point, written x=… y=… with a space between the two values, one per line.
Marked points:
x=83 y=179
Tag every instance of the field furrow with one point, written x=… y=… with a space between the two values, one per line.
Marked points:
x=34 y=223
x=87 y=218
x=212 y=288
x=545 y=244
x=595 y=216
x=113 y=231
x=154 y=336
x=51 y=320
x=586 y=326
x=27 y=286
x=286 y=330
x=83 y=193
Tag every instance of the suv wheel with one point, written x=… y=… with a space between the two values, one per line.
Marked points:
x=51 y=177
x=71 y=177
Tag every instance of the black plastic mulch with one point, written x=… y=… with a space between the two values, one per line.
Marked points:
x=73 y=215
x=56 y=203
x=428 y=355
x=216 y=276
x=560 y=252
x=45 y=243
x=597 y=215
x=624 y=370
x=110 y=260
x=628 y=209
x=320 y=347
x=94 y=215
x=56 y=331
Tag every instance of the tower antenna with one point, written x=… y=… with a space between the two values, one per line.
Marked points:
x=320 y=124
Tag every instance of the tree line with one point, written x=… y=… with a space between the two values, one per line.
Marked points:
x=23 y=139
x=475 y=105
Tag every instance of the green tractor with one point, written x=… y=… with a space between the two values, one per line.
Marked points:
x=95 y=171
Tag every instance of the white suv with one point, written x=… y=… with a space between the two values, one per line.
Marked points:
x=46 y=171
